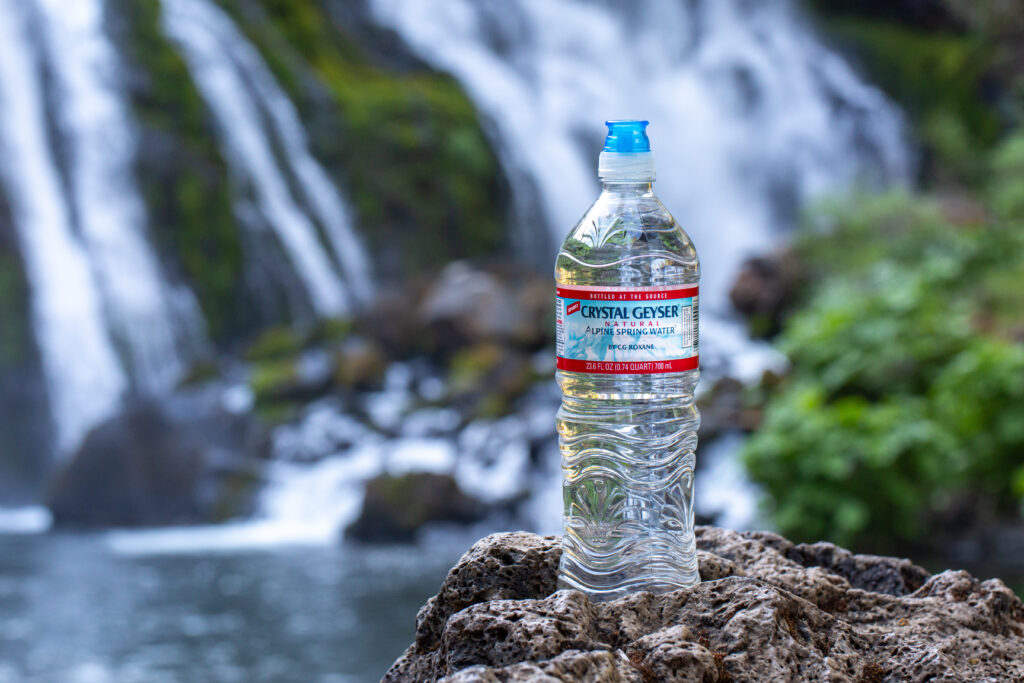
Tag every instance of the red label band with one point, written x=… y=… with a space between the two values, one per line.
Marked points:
x=639 y=367
x=639 y=294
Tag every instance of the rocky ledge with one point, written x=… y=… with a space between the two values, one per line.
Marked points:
x=767 y=609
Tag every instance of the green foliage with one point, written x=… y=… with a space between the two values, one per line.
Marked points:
x=407 y=145
x=275 y=343
x=271 y=379
x=907 y=380
x=1006 y=187
x=184 y=179
x=884 y=336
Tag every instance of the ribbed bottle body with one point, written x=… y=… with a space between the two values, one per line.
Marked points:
x=628 y=440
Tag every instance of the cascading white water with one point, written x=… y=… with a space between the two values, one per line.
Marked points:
x=106 y=319
x=750 y=114
x=240 y=90
x=321 y=194
x=96 y=285
x=84 y=378
x=148 y=317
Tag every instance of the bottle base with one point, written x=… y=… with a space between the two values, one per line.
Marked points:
x=659 y=568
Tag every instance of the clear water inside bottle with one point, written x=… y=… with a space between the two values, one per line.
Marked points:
x=627 y=441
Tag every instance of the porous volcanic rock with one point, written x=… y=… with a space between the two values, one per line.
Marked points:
x=767 y=609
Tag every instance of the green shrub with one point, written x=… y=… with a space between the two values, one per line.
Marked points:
x=907 y=384
x=1006 y=187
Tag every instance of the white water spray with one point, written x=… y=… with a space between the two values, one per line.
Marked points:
x=148 y=317
x=750 y=114
x=84 y=378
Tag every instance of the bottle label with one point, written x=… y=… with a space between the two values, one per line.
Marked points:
x=626 y=330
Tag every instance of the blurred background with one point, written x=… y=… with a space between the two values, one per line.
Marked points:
x=276 y=310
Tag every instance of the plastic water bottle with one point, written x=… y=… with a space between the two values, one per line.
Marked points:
x=627 y=347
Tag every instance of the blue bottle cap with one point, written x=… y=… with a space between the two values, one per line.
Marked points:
x=627 y=137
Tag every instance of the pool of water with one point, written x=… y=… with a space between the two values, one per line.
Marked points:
x=81 y=609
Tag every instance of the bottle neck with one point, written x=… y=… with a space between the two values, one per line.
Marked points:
x=622 y=187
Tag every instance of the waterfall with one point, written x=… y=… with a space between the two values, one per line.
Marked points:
x=148 y=317
x=106 y=319
x=255 y=118
x=84 y=378
x=750 y=115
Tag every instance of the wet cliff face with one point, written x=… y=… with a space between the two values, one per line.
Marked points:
x=24 y=428
x=402 y=141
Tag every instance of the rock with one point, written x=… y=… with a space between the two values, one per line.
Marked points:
x=388 y=320
x=461 y=307
x=275 y=343
x=764 y=289
x=511 y=566
x=26 y=439
x=134 y=470
x=486 y=378
x=156 y=466
x=600 y=665
x=394 y=508
x=474 y=304
x=723 y=408
x=360 y=364
x=465 y=306
x=304 y=377
x=767 y=609
x=536 y=299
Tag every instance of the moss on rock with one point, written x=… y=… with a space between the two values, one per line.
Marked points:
x=180 y=169
x=275 y=343
x=396 y=507
x=406 y=144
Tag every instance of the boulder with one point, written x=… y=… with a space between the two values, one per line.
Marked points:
x=473 y=303
x=486 y=378
x=767 y=609
x=723 y=408
x=306 y=376
x=395 y=507
x=360 y=364
x=134 y=470
x=391 y=322
x=159 y=465
x=465 y=305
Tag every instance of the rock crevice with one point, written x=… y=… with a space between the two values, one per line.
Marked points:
x=767 y=609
